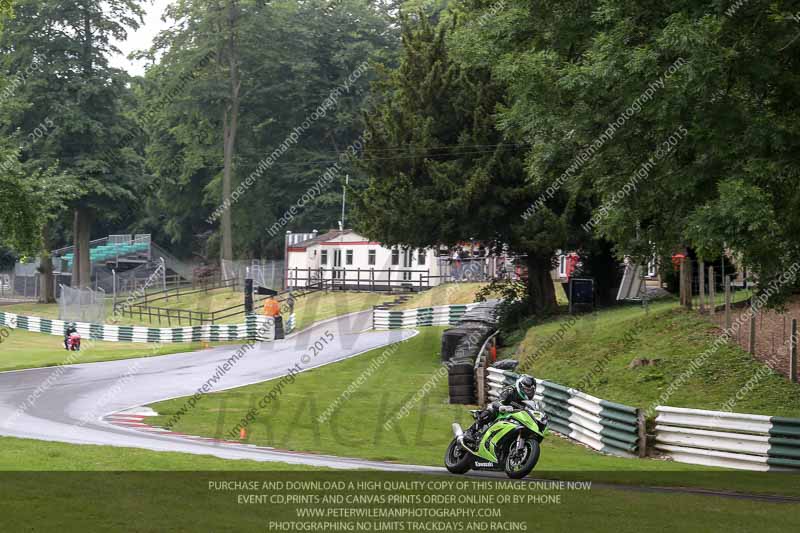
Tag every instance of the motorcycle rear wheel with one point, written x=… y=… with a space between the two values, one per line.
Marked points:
x=519 y=467
x=457 y=460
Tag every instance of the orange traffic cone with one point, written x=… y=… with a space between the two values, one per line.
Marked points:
x=242 y=434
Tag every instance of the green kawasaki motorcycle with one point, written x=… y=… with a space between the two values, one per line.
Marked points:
x=511 y=443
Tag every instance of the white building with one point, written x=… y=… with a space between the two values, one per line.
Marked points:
x=348 y=260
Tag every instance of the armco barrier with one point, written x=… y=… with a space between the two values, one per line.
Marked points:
x=104 y=332
x=731 y=440
x=443 y=315
x=602 y=425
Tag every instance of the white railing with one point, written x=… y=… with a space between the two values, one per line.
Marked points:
x=605 y=426
x=442 y=315
x=731 y=440
x=255 y=327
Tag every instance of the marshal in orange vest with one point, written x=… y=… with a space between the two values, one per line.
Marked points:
x=272 y=308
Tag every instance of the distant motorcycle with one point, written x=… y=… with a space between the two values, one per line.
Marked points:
x=74 y=342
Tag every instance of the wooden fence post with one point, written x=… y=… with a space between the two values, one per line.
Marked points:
x=793 y=353
x=751 y=347
x=682 y=281
x=642 y=433
x=712 y=290
x=689 y=278
x=702 y=280
x=480 y=385
x=727 y=302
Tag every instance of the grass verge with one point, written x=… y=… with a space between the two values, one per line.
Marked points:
x=24 y=349
x=459 y=293
x=39 y=455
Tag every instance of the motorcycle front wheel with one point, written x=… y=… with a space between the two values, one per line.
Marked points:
x=457 y=459
x=519 y=463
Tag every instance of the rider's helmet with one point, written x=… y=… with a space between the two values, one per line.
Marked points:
x=525 y=387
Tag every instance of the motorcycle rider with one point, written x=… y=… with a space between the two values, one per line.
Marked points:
x=71 y=328
x=510 y=399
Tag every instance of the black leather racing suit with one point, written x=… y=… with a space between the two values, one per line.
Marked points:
x=69 y=331
x=508 y=397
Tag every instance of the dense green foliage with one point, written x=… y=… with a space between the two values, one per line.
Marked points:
x=727 y=77
x=655 y=126
x=609 y=127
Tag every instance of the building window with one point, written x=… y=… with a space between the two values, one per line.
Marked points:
x=323 y=257
x=421 y=257
x=562 y=266
x=348 y=257
x=371 y=257
x=395 y=257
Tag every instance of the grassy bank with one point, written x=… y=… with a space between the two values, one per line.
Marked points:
x=446 y=294
x=459 y=293
x=597 y=354
x=323 y=305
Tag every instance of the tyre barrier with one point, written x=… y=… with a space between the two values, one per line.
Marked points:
x=462 y=349
x=443 y=315
x=461 y=382
x=730 y=440
x=255 y=327
x=605 y=426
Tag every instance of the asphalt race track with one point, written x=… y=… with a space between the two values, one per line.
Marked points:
x=72 y=402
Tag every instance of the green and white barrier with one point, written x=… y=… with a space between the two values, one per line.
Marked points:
x=442 y=315
x=730 y=440
x=602 y=425
x=255 y=326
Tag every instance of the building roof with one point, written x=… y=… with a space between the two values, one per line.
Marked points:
x=330 y=234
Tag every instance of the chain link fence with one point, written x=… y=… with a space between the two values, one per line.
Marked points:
x=20 y=283
x=264 y=272
x=82 y=305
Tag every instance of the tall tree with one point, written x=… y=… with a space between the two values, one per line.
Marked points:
x=229 y=57
x=321 y=56
x=17 y=217
x=64 y=46
x=441 y=171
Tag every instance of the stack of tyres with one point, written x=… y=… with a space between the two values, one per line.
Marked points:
x=461 y=382
x=450 y=341
x=471 y=343
x=461 y=376
x=460 y=348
